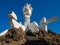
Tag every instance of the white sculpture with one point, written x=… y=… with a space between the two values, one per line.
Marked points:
x=43 y=25
x=12 y=15
x=27 y=10
x=44 y=22
x=13 y=22
x=33 y=27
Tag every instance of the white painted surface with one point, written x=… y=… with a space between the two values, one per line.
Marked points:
x=13 y=15
x=33 y=27
x=44 y=22
x=14 y=24
x=26 y=21
x=43 y=25
x=4 y=32
x=27 y=11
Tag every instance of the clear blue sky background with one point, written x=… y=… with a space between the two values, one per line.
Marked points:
x=41 y=8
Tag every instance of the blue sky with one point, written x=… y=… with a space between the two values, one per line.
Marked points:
x=41 y=8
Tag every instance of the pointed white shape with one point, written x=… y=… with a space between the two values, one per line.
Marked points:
x=22 y=26
x=43 y=20
x=43 y=25
x=33 y=27
x=14 y=23
x=4 y=32
x=13 y=15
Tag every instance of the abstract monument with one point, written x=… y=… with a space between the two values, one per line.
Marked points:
x=33 y=26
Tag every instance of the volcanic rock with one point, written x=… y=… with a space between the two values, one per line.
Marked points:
x=16 y=36
x=42 y=38
x=13 y=37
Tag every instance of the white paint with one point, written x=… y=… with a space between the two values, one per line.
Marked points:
x=4 y=32
x=33 y=27
x=43 y=25
x=27 y=11
x=44 y=22
x=12 y=15
x=26 y=21
x=14 y=23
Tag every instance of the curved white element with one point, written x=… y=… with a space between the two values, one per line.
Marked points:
x=4 y=32
x=13 y=15
x=33 y=27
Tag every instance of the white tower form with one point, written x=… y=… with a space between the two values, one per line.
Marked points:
x=43 y=25
x=27 y=11
x=44 y=22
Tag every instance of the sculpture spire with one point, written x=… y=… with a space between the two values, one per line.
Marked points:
x=27 y=11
